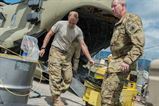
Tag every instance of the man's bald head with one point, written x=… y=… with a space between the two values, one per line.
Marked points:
x=73 y=18
x=74 y=14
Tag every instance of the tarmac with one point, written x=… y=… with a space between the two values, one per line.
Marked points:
x=40 y=96
x=69 y=98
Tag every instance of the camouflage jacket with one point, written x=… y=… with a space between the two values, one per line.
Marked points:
x=128 y=38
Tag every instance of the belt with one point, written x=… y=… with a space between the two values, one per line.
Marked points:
x=58 y=49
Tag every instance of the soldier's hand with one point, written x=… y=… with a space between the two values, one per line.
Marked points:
x=42 y=52
x=91 y=61
x=124 y=66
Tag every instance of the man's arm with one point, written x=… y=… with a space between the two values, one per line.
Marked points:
x=47 y=38
x=45 y=42
x=85 y=51
x=52 y=31
x=135 y=31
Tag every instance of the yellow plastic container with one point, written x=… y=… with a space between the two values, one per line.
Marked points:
x=100 y=72
x=92 y=94
x=128 y=93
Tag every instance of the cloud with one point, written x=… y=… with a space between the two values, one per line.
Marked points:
x=148 y=10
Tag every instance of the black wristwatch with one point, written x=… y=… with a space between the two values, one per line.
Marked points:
x=43 y=48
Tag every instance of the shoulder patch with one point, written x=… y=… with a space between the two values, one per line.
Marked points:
x=131 y=28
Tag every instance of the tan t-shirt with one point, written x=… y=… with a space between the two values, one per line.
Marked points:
x=64 y=35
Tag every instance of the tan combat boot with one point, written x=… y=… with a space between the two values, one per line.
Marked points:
x=57 y=101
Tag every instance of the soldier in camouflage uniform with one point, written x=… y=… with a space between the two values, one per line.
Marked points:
x=126 y=45
x=60 y=68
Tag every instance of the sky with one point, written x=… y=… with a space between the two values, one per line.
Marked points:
x=148 y=10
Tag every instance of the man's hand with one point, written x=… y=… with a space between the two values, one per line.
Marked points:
x=45 y=42
x=42 y=52
x=124 y=66
x=91 y=61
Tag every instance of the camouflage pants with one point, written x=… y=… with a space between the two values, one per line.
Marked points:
x=111 y=88
x=60 y=71
x=113 y=83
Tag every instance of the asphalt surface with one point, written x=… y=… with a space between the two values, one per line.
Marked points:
x=153 y=95
x=69 y=98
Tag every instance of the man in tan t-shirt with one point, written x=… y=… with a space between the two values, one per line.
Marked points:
x=60 y=68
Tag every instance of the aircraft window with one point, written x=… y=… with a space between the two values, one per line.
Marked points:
x=33 y=18
x=35 y=4
x=11 y=1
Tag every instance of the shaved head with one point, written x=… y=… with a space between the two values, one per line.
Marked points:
x=73 y=18
x=74 y=14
